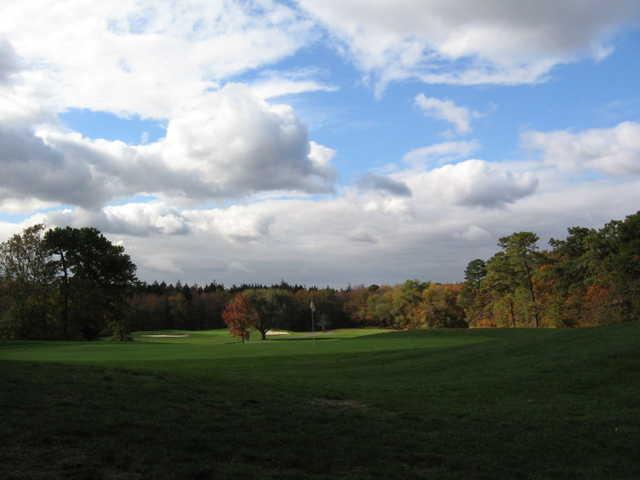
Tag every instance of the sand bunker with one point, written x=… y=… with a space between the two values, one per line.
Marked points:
x=164 y=335
x=277 y=332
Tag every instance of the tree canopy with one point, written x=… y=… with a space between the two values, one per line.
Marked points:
x=65 y=283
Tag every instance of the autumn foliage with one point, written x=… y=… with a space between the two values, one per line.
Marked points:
x=239 y=316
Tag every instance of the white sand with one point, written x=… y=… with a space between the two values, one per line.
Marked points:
x=164 y=335
x=277 y=332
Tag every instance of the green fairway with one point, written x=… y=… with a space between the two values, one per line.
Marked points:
x=343 y=404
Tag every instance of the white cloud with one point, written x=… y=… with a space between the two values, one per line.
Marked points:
x=614 y=151
x=444 y=109
x=279 y=84
x=470 y=42
x=143 y=56
x=137 y=219
x=384 y=184
x=344 y=240
x=237 y=145
x=471 y=183
x=229 y=145
x=455 y=213
x=441 y=152
x=237 y=223
x=9 y=63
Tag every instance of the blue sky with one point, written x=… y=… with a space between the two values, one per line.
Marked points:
x=255 y=141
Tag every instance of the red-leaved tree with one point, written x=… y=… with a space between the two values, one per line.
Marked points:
x=239 y=316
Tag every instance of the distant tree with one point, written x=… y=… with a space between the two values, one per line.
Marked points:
x=521 y=251
x=178 y=309
x=475 y=272
x=614 y=259
x=473 y=298
x=239 y=316
x=564 y=278
x=406 y=302
x=501 y=283
x=380 y=307
x=355 y=304
x=440 y=308
x=271 y=306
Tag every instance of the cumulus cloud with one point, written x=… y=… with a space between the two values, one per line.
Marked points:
x=239 y=144
x=472 y=183
x=444 y=109
x=372 y=181
x=464 y=42
x=614 y=151
x=229 y=145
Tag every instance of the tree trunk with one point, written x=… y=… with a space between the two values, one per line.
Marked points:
x=65 y=295
x=513 y=315
x=532 y=293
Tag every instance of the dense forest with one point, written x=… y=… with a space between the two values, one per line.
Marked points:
x=73 y=283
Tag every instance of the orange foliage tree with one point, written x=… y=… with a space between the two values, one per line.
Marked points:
x=239 y=316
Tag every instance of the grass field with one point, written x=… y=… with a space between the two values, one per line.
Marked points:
x=354 y=404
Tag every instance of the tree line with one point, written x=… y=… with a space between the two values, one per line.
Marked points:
x=74 y=283
x=592 y=277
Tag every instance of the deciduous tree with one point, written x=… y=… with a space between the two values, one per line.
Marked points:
x=94 y=278
x=239 y=316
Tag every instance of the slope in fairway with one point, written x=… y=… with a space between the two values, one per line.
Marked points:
x=349 y=404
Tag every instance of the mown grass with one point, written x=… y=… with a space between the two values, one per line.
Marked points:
x=349 y=404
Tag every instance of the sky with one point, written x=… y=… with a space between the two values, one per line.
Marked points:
x=324 y=142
